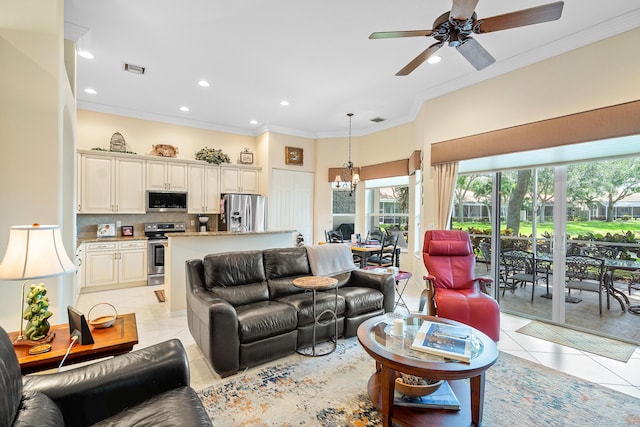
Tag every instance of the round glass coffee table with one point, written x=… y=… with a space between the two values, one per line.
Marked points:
x=393 y=355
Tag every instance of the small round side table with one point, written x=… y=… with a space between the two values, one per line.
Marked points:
x=320 y=283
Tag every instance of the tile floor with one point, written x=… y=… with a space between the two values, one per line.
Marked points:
x=155 y=325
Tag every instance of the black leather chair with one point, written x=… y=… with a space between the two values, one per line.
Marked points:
x=144 y=387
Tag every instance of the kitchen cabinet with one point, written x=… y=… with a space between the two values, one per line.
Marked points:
x=111 y=184
x=166 y=175
x=115 y=263
x=204 y=189
x=239 y=180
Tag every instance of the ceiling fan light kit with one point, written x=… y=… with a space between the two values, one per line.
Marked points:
x=456 y=27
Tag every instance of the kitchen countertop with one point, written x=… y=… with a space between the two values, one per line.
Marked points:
x=225 y=233
x=109 y=239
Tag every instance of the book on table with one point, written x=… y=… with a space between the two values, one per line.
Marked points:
x=441 y=339
x=442 y=398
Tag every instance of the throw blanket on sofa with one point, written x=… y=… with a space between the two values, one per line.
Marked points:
x=330 y=259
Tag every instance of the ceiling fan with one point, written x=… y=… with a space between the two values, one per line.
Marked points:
x=456 y=26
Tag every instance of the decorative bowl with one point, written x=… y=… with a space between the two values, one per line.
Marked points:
x=103 y=321
x=415 y=390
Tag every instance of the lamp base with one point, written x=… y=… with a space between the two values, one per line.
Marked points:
x=20 y=342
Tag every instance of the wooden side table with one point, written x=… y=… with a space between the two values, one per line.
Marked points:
x=117 y=339
x=320 y=283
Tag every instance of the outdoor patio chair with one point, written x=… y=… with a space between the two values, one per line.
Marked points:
x=519 y=269
x=586 y=273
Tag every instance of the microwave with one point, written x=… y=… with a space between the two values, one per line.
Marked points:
x=166 y=201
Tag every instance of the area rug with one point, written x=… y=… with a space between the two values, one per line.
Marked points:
x=332 y=391
x=601 y=346
x=160 y=295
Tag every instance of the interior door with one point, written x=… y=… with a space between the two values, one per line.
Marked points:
x=291 y=202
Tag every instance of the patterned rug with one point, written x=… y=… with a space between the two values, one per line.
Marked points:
x=331 y=391
x=607 y=347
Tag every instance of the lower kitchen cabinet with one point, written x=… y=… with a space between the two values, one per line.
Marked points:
x=115 y=263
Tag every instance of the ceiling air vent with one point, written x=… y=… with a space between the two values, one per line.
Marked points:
x=378 y=119
x=135 y=69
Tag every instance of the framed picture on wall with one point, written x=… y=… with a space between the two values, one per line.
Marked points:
x=246 y=157
x=293 y=156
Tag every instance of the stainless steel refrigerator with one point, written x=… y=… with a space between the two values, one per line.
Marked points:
x=242 y=213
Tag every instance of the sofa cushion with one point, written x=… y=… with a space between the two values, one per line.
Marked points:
x=237 y=277
x=282 y=266
x=284 y=262
x=178 y=407
x=263 y=319
x=303 y=304
x=361 y=300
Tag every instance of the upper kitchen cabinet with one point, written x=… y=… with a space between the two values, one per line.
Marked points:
x=111 y=184
x=239 y=180
x=204 y=189
x=166 y=175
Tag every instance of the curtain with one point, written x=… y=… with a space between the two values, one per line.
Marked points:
x=445 y=184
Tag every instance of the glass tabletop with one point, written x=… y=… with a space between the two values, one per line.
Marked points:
x=381 y=334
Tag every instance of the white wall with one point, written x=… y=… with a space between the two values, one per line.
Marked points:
x=37 y=114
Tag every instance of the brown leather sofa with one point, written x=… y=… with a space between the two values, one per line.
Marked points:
x=144 y=387
x=243 y=308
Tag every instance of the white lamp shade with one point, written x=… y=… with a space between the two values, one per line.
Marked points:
x=35 y=251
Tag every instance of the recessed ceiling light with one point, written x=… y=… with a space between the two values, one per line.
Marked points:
x=85 y=54
x=434 y=59
x=204 y=83
x=284 y=103
x=183 y=108
x=253 y=122
x=90 y=91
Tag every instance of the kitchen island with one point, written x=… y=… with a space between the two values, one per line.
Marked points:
x=184 y=246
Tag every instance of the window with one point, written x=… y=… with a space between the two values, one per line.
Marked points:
x=387 y=204
x=343 y=209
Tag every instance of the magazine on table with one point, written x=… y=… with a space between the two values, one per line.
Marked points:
x=442 y=398
x=441 y=339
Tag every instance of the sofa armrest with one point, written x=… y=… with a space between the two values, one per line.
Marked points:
x=217 y=329
x=381 y=282
x=94 y=392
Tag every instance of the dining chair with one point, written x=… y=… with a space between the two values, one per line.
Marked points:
x=586 y=273
x=333 y=236
x=375 y=235
x=387 y=256
x=519 y=269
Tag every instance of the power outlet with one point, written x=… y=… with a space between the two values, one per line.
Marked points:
x=193 y=222
x=118 y=224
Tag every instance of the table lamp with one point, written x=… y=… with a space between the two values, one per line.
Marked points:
x=34 y=252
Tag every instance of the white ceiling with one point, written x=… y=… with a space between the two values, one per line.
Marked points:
x=316 y=55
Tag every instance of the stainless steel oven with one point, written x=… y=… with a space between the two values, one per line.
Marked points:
x=156 y=247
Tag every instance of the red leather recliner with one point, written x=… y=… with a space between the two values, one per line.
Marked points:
x=456 y=293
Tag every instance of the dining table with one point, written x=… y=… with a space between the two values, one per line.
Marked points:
x=611 y=265
x=365 y=251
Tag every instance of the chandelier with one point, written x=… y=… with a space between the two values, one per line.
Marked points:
x=349 y=178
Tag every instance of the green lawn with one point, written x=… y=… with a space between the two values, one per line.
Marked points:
x=574 y=228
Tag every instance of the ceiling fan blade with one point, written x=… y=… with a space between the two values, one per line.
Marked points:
x=475 y=53
x=520 y=18
x=461 y=10
x=395 y=34
x=419 y=59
